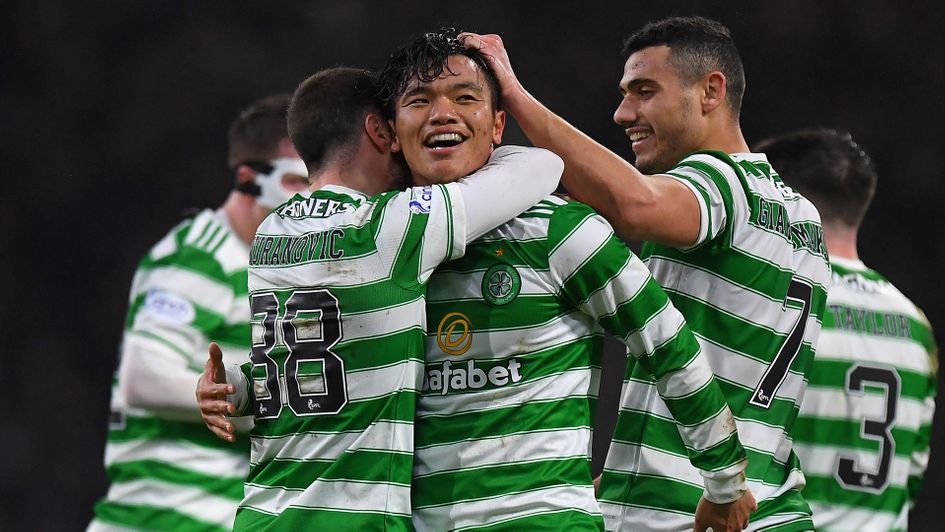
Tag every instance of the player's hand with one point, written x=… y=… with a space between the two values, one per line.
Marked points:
x=494 y=52
x=730 y=517
x=211 y=396
x=597 y=485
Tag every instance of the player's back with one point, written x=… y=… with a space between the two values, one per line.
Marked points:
x=168 y=473
x=337 y=291
x=863 y=431
x=753 y=291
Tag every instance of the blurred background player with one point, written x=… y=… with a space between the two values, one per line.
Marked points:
x=342 y=277
x=166 y=471
x=865 y=422
x=515 y=330
x=741 y=256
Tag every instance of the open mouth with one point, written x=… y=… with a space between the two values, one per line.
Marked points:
x=441 y=141
x=638 y=135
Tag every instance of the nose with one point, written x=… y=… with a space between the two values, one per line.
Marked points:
x=442 y=111
x=626 y=112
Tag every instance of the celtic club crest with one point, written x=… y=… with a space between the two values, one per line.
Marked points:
x=501 y=284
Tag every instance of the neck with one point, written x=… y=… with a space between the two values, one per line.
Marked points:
x=841 y=241
x=726 y=136
x=244 y=215
x=364 y=172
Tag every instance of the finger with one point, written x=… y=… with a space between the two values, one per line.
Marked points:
x=222 y=433
x=470 y=40
x=216 y=354
x=212 y=407
x=208 y=390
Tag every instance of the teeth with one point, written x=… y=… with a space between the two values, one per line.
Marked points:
x=444 y=137
x=638 y=135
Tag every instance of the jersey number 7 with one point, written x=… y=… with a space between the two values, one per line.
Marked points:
x=800 y=293
x=311 y=379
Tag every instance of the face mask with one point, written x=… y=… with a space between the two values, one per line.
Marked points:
x=267 y=186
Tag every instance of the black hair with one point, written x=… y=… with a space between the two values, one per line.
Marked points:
x=827 y=167
x=698 y=46
x=423 y=59
x=327 y=113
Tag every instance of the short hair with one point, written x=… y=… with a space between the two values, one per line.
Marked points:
x=827 y=167
x=424 y=58
x=256 y=133
x=327 y=113
x=698 y=46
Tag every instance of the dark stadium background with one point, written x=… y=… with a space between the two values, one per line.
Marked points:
x=112 y=118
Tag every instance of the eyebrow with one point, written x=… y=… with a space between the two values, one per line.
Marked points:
x=636 y=83
x=422 y=88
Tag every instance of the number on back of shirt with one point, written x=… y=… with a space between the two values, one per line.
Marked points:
x=311 y=378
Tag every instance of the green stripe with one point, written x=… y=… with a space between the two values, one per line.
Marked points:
x=524 y=311
x=503 y=479
x=549 y=415
x=919 y=331
x=155 y=428
x=480 y=255
x=151 y=518
x=832 y=374
x=450 y=223
x=846 y=434
x=228 y=487
x=319 y=520
x=361 y=465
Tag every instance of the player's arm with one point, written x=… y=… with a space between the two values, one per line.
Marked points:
x=919 y=460
x=514 y=179
x=164 y=346
x=656 y=208
x=603 y=278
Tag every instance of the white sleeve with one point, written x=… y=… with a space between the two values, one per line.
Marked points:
x=708 y=179
x=514 y=179
x=152 y=377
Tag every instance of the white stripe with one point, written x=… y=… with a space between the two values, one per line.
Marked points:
x=380 y=382
x=504 y=450
x=624 y=287
x=519 y=229
x=738 y=368
x=184 y=455
x=571 y=383
x=201 y=221
x=870 y=350
x=504 y=507
x=382 y=322
x=343 y=495
x=339 y=273
x=833 y=403
x=182 y=499
x=578 y=247
x=233 y=256
x=663 y=327
x=380 y=436
x=822 y=460
x=202 y=290
x=888 y=300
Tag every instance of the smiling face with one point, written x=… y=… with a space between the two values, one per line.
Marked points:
x=659 y=111
x=446 y=128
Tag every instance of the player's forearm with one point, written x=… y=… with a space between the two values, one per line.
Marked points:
x=154 y=380
x=514 y=179
x=638 y=206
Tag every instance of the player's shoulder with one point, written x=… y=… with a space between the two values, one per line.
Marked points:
x=204 y=243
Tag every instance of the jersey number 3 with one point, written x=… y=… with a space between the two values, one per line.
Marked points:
x=311 y=380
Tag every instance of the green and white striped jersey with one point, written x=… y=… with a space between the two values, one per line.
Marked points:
x=514 y=347
x=337 y=294
x=753 y=290
x=863 y=431
x=168 y=474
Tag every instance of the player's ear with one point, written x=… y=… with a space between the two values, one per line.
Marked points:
x=378 y=131
x=244 y=174
x=498 y=127
x=713 y=91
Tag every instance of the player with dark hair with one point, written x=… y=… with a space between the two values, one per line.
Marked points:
x=741 y=256
x=337 y=293
x=166 y=474
x=515 y=330
x=875 y=375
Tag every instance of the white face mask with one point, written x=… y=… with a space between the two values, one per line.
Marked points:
x=272 y=193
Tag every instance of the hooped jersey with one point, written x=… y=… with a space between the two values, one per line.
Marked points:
x=864 y=427
x=753 y=290
x=337 y=294
x=514 y=345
